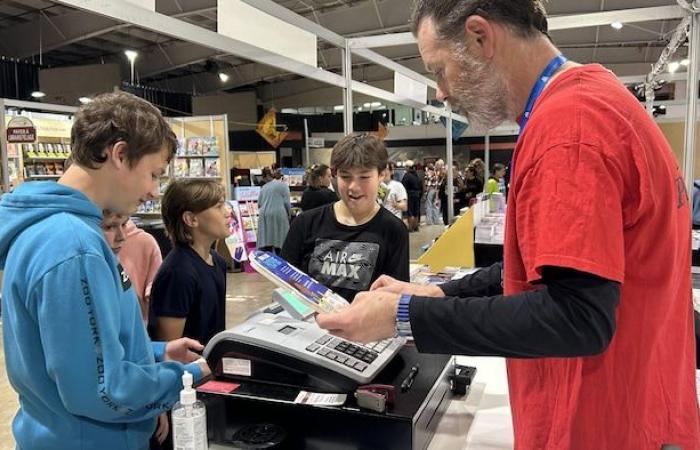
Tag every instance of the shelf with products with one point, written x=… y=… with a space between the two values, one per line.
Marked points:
x=39 y=153
x=201 y=154
x=247 y=198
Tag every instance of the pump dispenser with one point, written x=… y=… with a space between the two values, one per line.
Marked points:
x=189 y=419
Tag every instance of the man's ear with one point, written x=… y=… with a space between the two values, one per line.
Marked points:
x=481 y=36
x=117 y=154
x=190 y=219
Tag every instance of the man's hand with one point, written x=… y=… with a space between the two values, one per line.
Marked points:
x=385 y=283
x=163 y=428
x=181 y=350
x=370 y=317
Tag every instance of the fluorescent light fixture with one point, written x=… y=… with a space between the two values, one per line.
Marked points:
x=685 y=62
x=617 y=25
x=223 y=77
x=289 y=111
x=338 y=108
x=38 y=94
x=376 y=104
x=84 y=100
x=673 y=66
x=662 y=107
x=131 y=55
x=367 y=105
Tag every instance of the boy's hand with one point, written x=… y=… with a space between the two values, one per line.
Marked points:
x=183 y=350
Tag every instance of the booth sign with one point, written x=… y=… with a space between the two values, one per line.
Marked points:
x=21 y=130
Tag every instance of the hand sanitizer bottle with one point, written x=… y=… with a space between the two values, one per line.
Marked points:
x=189 y=419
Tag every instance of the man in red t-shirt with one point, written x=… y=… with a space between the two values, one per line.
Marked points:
x=595 y=311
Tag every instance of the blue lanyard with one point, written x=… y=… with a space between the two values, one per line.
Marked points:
x=547 y=74
x=551 y=68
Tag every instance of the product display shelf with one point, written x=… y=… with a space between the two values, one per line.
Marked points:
x=202 y=154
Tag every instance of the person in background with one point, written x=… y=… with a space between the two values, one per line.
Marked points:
x=496 y=182
x=140 y=255
x=473 y=186
x=142 y=260
x=396 y=198
x=457 y=188
x=274 y=207
x=414 y=188
x=595 y=313
x=76 y=350
x=188 y=297
x=432 y=201
x=317 y=192
x=479 y=169
x=350 y=243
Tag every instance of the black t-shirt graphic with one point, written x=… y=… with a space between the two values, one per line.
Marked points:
x=347 y=259
x=187 y=287
x=344 y=265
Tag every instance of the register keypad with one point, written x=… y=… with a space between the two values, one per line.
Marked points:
x=351 y=355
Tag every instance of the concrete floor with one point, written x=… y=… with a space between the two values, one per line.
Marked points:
x=245 y=293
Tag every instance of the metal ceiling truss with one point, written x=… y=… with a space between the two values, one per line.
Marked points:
x=129 y=13
x=555 y=23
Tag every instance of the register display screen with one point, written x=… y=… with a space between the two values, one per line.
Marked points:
x=287 y=330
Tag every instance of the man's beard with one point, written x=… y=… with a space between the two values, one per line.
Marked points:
x=480 y=93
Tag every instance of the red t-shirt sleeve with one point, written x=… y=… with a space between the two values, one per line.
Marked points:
x=569 y=213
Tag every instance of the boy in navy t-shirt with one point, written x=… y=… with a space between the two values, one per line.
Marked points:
x=189 y=292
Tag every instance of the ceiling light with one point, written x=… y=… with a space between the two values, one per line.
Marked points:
x=673 y=66
x=84 y=100
x=367 y=105
x=685 y=62
x=38 y=94
x=376 y=104
x=131 y=55
x=223 y=77
x=617 y=25
x=338 y=108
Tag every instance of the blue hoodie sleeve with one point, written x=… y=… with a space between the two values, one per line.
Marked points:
x=79 y=316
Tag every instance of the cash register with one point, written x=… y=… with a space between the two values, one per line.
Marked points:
x=262 y=367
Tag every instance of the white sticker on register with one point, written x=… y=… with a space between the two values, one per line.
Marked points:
x=312 y=398
x=235 y=366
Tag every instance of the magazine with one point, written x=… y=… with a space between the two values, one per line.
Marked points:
x=194 y=146
x=196 y=168
x=180 y=149
x=212 y=167
x=315 y=295
x=210 y=146
x=181 y=167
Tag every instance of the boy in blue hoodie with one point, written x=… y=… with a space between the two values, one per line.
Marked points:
x=76 y=348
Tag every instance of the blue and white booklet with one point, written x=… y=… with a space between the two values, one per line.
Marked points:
x=315 y=295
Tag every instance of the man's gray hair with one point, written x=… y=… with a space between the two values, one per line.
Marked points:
x=527 y=18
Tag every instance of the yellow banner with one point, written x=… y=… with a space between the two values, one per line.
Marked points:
x=267 y=128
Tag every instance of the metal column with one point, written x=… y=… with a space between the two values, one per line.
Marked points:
x=487 y=157
x=306 y=159
x=692 y=102
x=5 y=184
x=347 y=97
x=450 y=172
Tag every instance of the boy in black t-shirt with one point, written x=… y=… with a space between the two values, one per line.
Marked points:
x=189 y=292
x=348 y=244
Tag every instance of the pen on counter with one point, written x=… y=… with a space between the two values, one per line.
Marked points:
x=408 y=381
